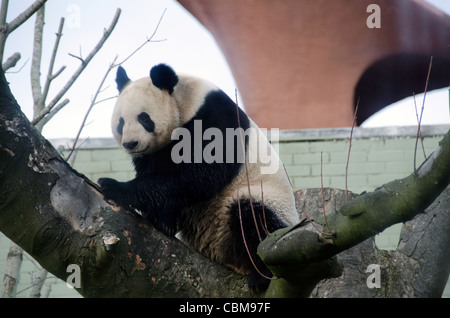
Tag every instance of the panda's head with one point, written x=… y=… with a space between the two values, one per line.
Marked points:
x=146 y=112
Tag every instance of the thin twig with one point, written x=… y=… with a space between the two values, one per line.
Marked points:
x=77 y=57
x=311 y=220
x=246 y=168
x=323 y=194
x=100 y=88
x=93 y=103
x=420 y=130
x=20 y=68
x=250 y=198
x=421 y=113
x=245 y=242
x=50 y=75
x=349 y=150
x=149 y=39
x=407 y=226
x=105 y=99
x=264 y=221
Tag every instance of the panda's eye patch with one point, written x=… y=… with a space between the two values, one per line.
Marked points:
x=146 y=122
x=120 y=125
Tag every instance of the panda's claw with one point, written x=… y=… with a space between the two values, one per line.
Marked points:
x=111 y=189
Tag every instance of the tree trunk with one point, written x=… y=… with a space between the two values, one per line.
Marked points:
x=12 y=271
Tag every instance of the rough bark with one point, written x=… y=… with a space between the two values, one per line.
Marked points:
x=419 y=267
x=424 y=242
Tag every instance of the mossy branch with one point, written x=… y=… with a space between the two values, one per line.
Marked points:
x=359 y=219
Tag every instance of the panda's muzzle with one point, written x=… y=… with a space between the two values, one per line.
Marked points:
x=130 y=145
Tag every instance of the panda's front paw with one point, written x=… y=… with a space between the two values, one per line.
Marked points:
x=112 y=189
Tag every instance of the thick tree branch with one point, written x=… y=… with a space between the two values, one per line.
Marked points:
x=359 y=219
x=424 y=240
x=419 y=267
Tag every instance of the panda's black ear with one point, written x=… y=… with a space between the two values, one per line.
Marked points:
x=164 y=77
x=122 y=78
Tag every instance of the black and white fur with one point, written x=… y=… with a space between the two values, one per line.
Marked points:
x=197 y=200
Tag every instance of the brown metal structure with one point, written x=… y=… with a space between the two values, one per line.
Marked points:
x=305 y=63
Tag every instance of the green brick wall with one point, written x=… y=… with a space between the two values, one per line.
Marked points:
x=99 y=158
x=378 y=155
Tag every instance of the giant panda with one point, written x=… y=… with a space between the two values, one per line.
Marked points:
x=207 y=190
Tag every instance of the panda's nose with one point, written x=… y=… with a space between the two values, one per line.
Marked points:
x=130 y=145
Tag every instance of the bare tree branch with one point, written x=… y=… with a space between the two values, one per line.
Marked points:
x=20 y=68
x=38 y=282
x=100 y=87
x=93 y=103
x=106 y=34
x=50 y=75
x=24 y=16
x=80 y=58
x=3 y=14
x=149 y=39
x=11 y=61
x=12 y=271
x=3 y=27
x=7 y=28
x=54 y=111
x=359 y=219
x=35 y=72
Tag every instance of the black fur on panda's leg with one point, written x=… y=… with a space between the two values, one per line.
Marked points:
x=267 y=221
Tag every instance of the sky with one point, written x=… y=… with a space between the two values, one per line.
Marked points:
x=182 y=42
